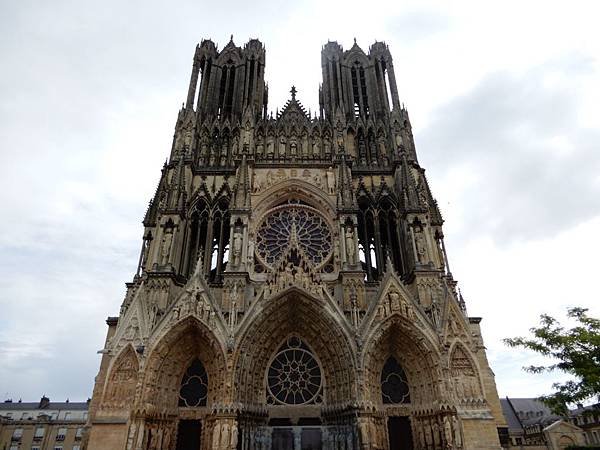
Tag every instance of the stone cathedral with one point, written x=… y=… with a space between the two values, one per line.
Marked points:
x=293 y=290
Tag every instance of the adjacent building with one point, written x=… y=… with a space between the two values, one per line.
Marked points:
x=42 y=425
x=532 y=426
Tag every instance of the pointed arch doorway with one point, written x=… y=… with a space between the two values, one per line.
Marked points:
x=395 y=391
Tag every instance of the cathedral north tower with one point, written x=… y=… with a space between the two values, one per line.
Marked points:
x=293 y=288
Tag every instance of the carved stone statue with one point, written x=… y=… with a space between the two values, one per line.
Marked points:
x=225 y=436
x=421 y=247
x=165 y=249
x=394 y=300
x=293 y=147
x=363 y=429
x=270 y=146
x=448 y=432
x=281 y=146
x=234 y=437
x=216 y=436
x=330 y=181
x=398 y=140
x=457 y=435
x=237 y=247
x=316 y=148
x=350 y=246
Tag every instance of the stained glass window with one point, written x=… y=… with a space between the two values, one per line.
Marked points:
x=294 y=377
x=194 y=386
x=394 y=386
x=297 y=228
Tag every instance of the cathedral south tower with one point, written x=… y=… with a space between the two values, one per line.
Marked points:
x=293 y=289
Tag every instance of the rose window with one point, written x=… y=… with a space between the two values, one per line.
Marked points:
x=294 y=377
x=294 y=231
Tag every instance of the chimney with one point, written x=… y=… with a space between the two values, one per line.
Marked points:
x=44 y=402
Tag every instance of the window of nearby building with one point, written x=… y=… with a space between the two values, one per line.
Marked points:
x=60 y=436
x=9 y=415
x=85 y=415
x=68 y=416
x=24 y=416
x=78 y=433
x=17 y=434
x=76 y=447
x=54 y=416
x=39 y=433
x=14 y=447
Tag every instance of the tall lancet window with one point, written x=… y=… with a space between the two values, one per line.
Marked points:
x=394 y=386
x=194 y=386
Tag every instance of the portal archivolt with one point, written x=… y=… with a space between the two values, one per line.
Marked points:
x=188 y=360
x=315 y=335
x=398 y=347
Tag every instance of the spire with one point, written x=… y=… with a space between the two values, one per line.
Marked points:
x=178 y=194
x=406 y=186
x=155 y=202
x=344 y=185
x=241 y=191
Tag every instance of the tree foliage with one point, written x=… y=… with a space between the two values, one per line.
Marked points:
x=576 y=351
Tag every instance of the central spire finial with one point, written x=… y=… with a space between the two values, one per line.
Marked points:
x=293 y=92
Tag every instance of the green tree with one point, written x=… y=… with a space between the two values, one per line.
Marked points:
x=576 y=351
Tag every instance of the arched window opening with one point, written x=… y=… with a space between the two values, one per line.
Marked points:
x=222 y=90
x=194 y=386
x=378 y=236
x=363 y=86
x=359 y=90
x=394 y=385
x=294 y=376
x=209 y=239
x=250 y=81
x=336 y=97
x=228 y=107
x=386 y=83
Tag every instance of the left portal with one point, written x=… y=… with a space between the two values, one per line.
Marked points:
x=188 y=435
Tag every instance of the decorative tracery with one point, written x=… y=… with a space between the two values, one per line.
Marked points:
x=209 y=237
x=394 y=386
x=294 y=231
x=379 y=235
x=294 y=376
x=194 y=386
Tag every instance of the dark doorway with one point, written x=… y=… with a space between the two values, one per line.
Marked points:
x=283 y=439
x=188 y=435
x=311 y=439
x=400 y=433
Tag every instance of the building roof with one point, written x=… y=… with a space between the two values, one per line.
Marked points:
x=524 y=412
x=42 y=405
x=581 y=409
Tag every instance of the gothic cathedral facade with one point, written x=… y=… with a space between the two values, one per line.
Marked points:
x=293 y=289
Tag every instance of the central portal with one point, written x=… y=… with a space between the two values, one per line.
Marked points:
x=400 y=434
x=308 y=438
x=188 y=435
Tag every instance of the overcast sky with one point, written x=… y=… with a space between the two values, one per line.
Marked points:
x=504 y=99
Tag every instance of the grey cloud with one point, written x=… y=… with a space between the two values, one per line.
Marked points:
x=502 y=131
